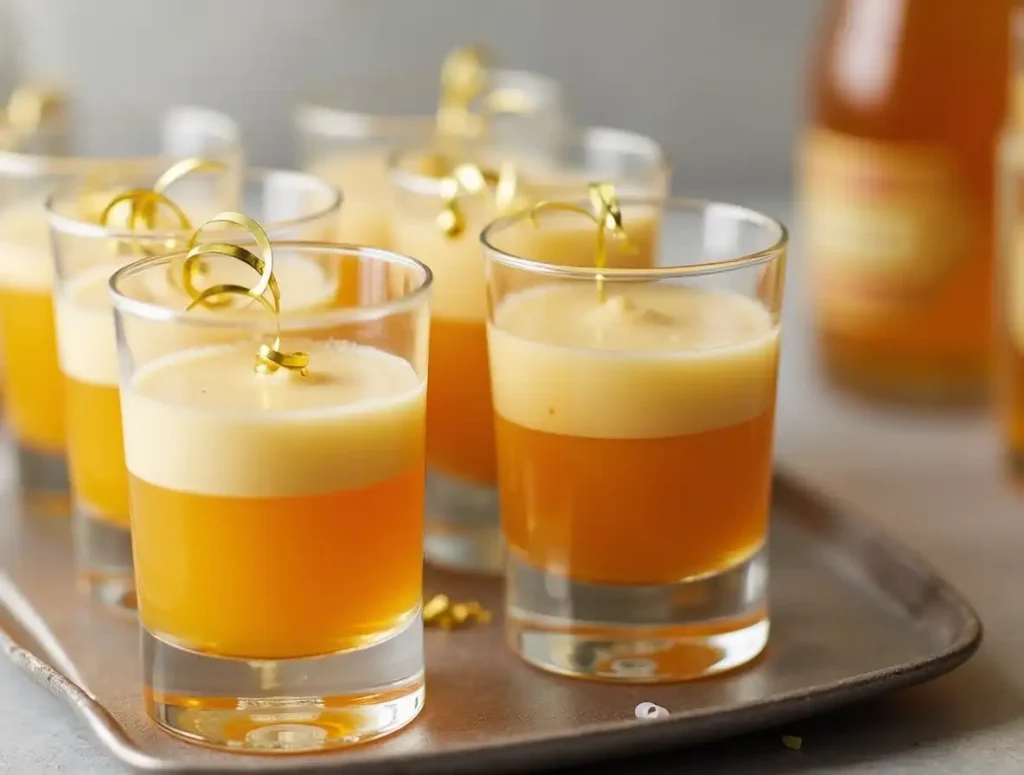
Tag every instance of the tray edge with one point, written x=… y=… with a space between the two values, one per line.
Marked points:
x=658 y=734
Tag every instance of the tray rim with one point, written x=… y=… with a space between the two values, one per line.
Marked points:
x=678 y=729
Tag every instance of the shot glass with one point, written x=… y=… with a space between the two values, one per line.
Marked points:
x=350 y=144
x=462 y=506
x=291 y=205
x=634 y=411
x=277 y=516
x=32 y=383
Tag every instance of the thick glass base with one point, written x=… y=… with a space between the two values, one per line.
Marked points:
x=43 y=483
x=638 y=634
x=286 y=705
x=462 y=530
x=103 y=553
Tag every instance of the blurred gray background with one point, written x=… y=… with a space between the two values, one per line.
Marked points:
x=718 y=82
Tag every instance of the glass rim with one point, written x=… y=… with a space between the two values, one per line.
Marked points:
x=78 y=227
x=679 y=203
x=316 y=115
x=17 y=164
x=634 y=143
x=162 y=313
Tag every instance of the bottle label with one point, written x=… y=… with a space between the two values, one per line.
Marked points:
x=884 y=224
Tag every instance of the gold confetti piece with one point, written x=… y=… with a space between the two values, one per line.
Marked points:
x=792 y=742
x=607 y=214
x=435 y=607
x=440 y=612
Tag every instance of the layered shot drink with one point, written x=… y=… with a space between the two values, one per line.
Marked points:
x=634 y=414
x=462 y=513
x=277 y=515
x=292 y=205
x=33 y=385
x=33 y=390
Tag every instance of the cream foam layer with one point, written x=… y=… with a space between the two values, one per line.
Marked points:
x=649 y=362
x=459 y=290
x=25 y=262
x=86 y=339
x=201 y=421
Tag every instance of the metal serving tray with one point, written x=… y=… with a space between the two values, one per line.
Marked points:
x=853 y=616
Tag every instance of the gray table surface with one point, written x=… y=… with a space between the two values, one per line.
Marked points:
x=935 y=482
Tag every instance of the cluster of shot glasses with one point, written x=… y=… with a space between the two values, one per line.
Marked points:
x=230 y=366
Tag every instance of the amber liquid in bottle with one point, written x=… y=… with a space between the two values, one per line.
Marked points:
x=1010 y=269
x=898 y=196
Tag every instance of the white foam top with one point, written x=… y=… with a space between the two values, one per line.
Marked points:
x=459 y=290
x=650 y=361
x=202 y=421
x=85 y=322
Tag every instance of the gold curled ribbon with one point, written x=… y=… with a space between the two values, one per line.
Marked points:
x=606 y=213
x=471 y=180
x=465 y=74
x=269 y=358
x=463 y=80
x=145 y=203
x=29 y=106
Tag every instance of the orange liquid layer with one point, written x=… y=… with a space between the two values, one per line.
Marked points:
x=636 y=511
x=278 y=578
x=460 y=415
x=33 y=383
x=96 y=450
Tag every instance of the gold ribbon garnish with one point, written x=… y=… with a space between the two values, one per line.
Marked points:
x=269 y=358
x=606 y=213
x=29 y=106
x=145 y=203
x=464 y=84
x=463 y=80
x=472 y=180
